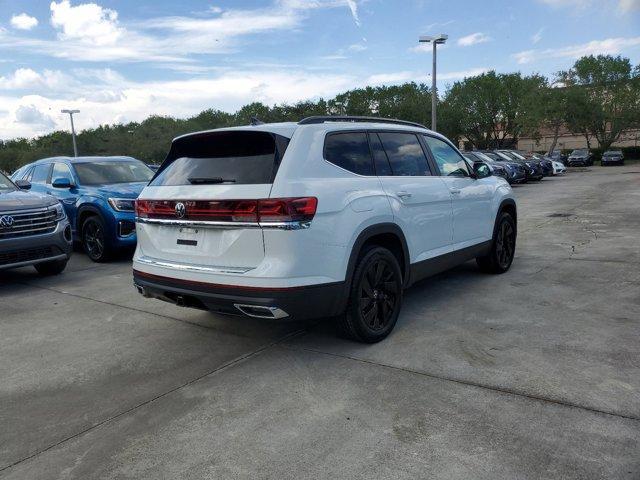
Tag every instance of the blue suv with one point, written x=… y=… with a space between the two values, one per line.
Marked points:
x=98 y=194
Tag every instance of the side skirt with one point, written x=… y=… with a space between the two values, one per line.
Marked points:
x=433 y=266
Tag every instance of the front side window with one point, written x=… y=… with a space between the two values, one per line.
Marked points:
x=5 y=184
x=41 y=173
x=405 y=154
x=110 y=172
x=60 y=170
x=349 y=150
x=448 y=160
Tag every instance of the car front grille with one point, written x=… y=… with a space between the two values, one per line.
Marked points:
x=26 y=223
x=27 y=255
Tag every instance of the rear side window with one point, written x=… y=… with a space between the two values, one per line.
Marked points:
x=405 y=154
x=41 y=173
x=235 y=157
x=350 y=151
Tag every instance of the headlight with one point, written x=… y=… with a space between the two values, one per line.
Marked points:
x=60 y=213
x=122 y=204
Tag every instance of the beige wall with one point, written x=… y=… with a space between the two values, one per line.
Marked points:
x=569 y=142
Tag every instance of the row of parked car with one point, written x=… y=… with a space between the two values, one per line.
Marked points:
x=516 y=167
x=584 y=158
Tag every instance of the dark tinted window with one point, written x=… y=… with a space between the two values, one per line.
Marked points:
x=379 y=156
x=61 y=170
x=448 y=160
x=238 y=157
x=110 y=171
x=41 y=173
x=349 y=151
x=405 y=154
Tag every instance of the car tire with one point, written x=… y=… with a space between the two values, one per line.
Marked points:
x=94 y=239
x=503 y=246
x=375 y=297
x=54 y=267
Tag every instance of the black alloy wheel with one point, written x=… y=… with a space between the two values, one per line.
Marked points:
x=375 y=297
x=94 y=239
x=503 y=246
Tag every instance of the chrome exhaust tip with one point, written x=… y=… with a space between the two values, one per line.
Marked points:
x=260 y=311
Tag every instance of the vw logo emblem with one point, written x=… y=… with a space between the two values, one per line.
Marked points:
x=6 y=221
x=181 y=210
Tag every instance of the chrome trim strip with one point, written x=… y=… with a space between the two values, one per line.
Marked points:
x=197 y=223
x=30 y=211
x=274 y=312
x=225 y=225
x=189 y=267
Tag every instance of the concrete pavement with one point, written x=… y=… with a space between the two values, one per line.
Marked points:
x=531 y=374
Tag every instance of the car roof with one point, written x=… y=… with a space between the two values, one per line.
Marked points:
x=83 y=159
x=287 y=129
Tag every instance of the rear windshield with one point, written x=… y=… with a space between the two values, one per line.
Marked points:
x=107 y=172
x=234 y=157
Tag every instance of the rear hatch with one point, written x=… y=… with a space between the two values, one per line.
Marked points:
x=200 y=209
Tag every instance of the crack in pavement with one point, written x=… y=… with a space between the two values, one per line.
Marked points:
x=220 y=368
x=470 y=383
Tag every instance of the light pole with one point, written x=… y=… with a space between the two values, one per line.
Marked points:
x=73 y=130
x=435 y=40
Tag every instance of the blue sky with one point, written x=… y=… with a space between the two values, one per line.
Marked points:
x=120 y=61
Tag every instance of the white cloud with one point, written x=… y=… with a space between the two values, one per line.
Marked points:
x=26 y=78
x=88 y=23
x=357 y=47
x=31 y=115
x=89 y=32
x=609 y=46
x=460 y=74
x=473 y=39
x=395 y=77
x=536 y=37
x=627 y=6
x=353 y=6
x=24 y=22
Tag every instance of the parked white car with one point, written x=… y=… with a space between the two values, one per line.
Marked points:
x=328 y=217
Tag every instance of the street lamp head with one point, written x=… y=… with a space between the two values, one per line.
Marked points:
x=70 y=111
x=438 y=39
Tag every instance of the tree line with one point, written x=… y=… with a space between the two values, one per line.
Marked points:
x=598 y=98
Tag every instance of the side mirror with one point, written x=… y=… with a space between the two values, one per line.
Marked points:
x=23 y=184
x=61 y=183
x=481 y=170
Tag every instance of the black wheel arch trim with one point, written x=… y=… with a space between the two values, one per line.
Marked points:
x=367 y=234
x=87 y=208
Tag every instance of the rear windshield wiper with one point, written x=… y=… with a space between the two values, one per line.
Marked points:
x=209 y=180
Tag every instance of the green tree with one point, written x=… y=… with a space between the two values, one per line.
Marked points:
x=604 y=97
x=491 y=109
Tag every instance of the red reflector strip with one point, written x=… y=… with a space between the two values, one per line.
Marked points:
x=262 y=210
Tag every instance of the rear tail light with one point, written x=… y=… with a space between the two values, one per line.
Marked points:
x=268 y=210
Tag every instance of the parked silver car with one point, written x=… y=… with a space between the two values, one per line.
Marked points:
x=34 y=229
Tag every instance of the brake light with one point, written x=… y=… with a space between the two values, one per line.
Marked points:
x=268 y=210
x=287 y=209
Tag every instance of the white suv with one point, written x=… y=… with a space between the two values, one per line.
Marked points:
x=327 y=217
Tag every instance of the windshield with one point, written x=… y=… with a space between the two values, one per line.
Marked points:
x=517 y=155
x=612 y=153
x=107 y=172
x=579 y=152
x=5 y=184
x=483 y=156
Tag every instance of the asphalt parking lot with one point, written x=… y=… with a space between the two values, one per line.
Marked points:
x=532 y=374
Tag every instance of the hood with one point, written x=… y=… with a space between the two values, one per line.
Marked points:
x=119 y=190
x=24 y=200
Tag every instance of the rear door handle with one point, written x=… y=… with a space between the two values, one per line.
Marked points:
x=404 y=194
x=454 y=191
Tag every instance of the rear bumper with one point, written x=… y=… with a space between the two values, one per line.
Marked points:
x=25 y=251
x=306 y=302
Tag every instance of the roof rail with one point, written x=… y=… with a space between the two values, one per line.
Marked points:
x=349 y=118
